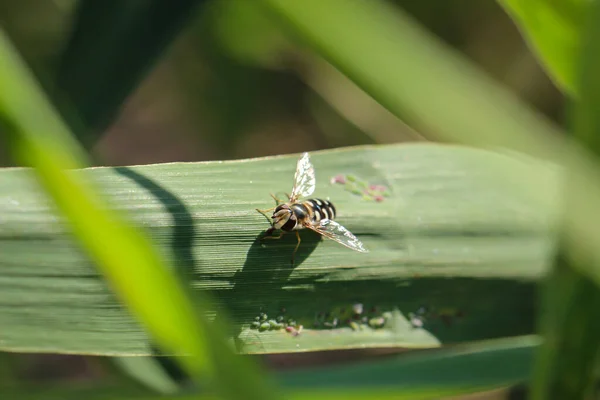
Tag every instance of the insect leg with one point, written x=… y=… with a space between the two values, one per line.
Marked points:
x=268 y=234
x=264 y=212
x=297 y=245
x=277 y=200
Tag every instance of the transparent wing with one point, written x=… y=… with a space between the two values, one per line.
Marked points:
x=334 y=231
x=304 y=181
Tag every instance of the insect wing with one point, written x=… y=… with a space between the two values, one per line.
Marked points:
x=334 y=231
x=304 y=181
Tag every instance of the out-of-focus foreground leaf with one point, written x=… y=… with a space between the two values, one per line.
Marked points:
x=567 y=364
x=455 y=242
x=119 y=250
x=112 y=46
x=553 y=30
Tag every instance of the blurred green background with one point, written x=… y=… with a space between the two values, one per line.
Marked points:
x=232 y=86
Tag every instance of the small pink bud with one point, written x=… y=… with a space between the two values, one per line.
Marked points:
x=338 y=179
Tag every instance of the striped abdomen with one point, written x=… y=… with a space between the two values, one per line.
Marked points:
x=310 y=211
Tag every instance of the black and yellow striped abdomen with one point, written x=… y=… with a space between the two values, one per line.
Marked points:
x=309 y=211
x=321 y=209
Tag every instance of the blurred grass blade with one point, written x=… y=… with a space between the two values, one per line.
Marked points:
x=567 y=364
x=149 y=372
x=553 y=30
x=111 y=48
x=109 y=241
x=415 y=76
x=420 y=375
x=122 y=252
x=449 y=212
x=476 y=366
x=116 y=392
x=585 y=119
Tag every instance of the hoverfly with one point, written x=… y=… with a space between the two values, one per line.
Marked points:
x=314 y=214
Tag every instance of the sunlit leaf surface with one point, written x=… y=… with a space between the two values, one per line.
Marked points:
x=455 y=250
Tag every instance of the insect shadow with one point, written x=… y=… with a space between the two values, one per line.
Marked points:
x=265 y=274
x=268 y=267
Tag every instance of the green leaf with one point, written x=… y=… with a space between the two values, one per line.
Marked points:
x=117 y=249
x=147 y=371
x=451 y=212
x=553 y=30
x=116 y=392
x=567 y=363
x=111 y=48
x=419 y=375
x=475 y=366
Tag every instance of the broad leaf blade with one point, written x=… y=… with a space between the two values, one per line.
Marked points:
x=452 y=212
